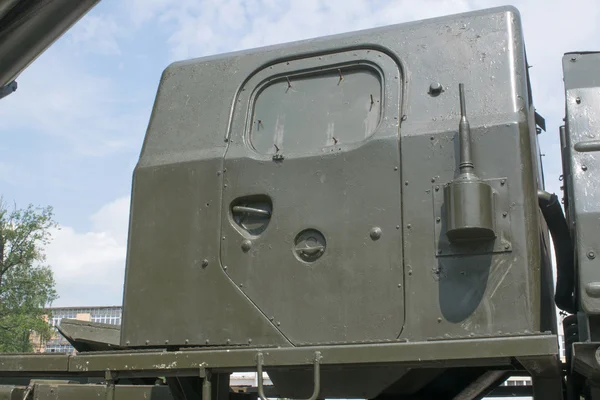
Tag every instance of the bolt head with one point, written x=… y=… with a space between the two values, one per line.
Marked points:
x=583 y=167
x=578 y=100
x=246 y=245
x=435 y=88
x=375 y=233
x=591 y=255
x=204 y=263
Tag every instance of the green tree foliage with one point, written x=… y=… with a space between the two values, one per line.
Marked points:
x=26 y=283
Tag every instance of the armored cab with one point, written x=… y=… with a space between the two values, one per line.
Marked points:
x=360 y=216
x=343 y=191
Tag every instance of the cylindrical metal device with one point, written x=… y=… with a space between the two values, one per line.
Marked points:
x=469 y=211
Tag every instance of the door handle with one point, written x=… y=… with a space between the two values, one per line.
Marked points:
x=311 y=250
x=251 y=210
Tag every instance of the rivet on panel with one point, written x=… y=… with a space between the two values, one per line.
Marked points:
x=507 y=246
x=578 y=100
x=127 y=343
x=410 y=272
x=207 y=341
x=278 y=323
x=583 y=167
x=204 y=263
x=375 y=233
x=399 y=285
x=433 y=180
x=435 y=88
x=147 y=342
x=187 y=341
x=228 y=341
x=573 y=59
x=405 y=183
x=404 y=118
x=395 y=168
x=438 y=220
x=408 y=226
x=504 y=214
x=397 y=226
x=439 y=320
x=246 y=245
x=249 y=340
x=437 y=188
x=591 y=255
x=502 y=182
x=225 y=267
x=167 y=341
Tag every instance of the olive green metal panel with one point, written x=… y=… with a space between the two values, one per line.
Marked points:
x=490 y=352
x=582 y=144
x=34 y=362
x=86 y=336
x=333 y=120
x=176 y=284
x=228 y=232
x=93 y=392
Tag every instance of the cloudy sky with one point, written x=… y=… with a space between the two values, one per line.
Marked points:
x=71 y=134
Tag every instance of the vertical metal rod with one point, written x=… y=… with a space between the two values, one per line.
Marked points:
x=464 y=135
x=206 y=388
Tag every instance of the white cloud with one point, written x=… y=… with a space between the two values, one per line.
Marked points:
x=87 y=112
x=89 y=266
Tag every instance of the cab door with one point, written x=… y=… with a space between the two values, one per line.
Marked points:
x=312 y=199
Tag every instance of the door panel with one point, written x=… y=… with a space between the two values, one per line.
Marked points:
x=312 y=197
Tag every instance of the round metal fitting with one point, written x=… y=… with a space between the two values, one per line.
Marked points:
x=204 y=263
x=435 y=88
x=375 y=233
x=591 y=255
x=309 y=245
x=246 y=245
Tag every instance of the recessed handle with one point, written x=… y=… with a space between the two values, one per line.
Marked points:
x=311 y=250
x=251 y=210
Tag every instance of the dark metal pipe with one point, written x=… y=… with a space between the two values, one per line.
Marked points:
x=28 y=28
x=563 y=248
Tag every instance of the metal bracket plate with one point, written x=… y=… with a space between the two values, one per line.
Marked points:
x=502 y=224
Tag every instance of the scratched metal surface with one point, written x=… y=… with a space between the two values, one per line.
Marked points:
x=582 y=163
x=191 y=279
